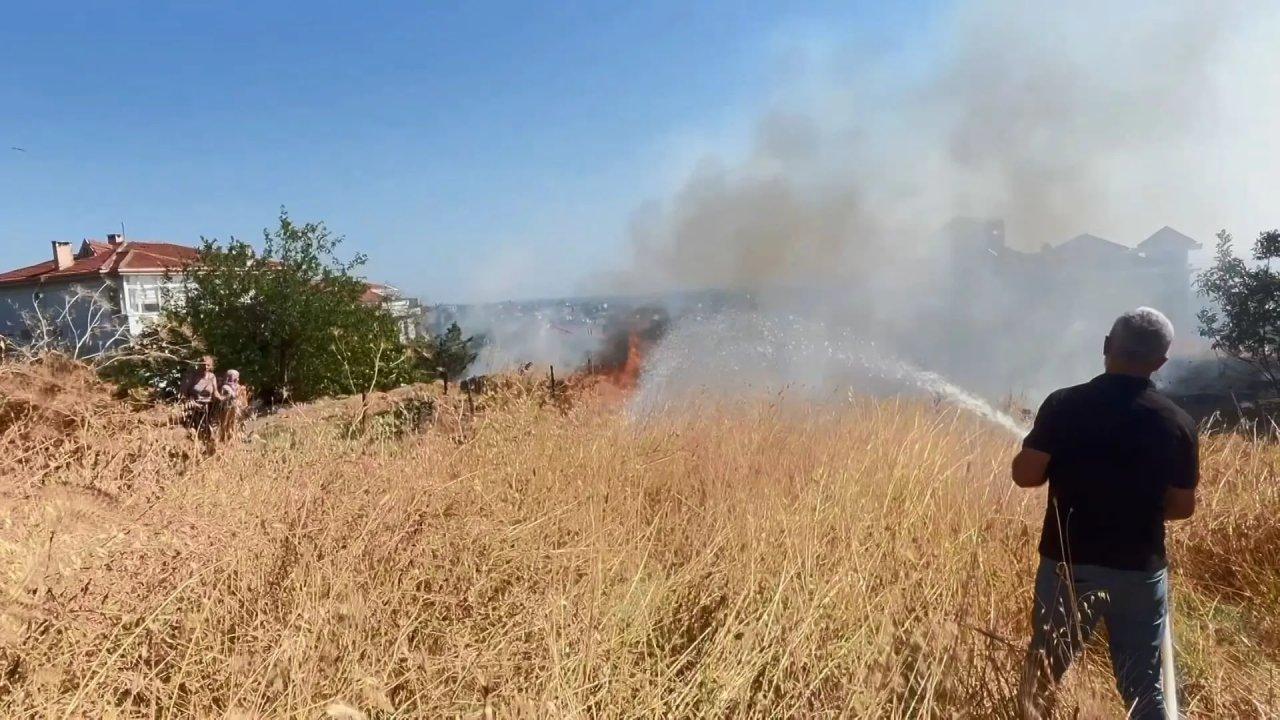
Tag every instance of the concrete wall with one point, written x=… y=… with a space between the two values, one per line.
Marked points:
x=84 y=317
x=14 y=301
x=89 y=315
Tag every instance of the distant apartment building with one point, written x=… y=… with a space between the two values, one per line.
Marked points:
x=1002 y=319
x=103 y=293
x=1085 y=270
x=407 y=311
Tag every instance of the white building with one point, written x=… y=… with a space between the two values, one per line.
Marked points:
x=99 y=295
x=406 y=310
x=92 y=297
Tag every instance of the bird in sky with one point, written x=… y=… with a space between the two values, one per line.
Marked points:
x=15 y=147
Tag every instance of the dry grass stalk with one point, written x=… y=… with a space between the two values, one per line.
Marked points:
x=531 y=560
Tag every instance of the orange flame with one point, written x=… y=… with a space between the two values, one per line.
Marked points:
x=628 y=341
x=628 y=376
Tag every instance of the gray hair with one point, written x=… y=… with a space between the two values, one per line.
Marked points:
x=1141 y=335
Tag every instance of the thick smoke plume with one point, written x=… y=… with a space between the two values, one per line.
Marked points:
x=1060 y=119
x=1057 y=118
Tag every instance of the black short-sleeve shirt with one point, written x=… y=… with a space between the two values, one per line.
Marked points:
x=1115 y=446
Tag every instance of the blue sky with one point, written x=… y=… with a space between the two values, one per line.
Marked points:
x=472 y=150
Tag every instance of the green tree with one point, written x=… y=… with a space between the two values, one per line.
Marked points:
x=154 y=363
x=1243 y=319
x=448 y=354
x=290 y=319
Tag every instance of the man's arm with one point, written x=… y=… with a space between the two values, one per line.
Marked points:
x=1030 y=468
x=1031 y=464
x=1179 y=503
x=1183 y=471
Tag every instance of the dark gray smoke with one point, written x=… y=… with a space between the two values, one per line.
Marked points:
x=1059 y=119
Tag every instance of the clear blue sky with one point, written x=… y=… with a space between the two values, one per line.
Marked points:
x=437 y=137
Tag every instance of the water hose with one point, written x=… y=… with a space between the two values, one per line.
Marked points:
x=1168 y=678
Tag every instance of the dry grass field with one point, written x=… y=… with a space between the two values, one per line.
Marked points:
x=760 y=559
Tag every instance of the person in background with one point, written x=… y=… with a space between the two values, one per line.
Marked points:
x=233 y=403
x=230 y=386
x=1120 y=459
x=199 y=390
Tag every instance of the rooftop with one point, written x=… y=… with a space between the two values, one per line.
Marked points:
x=116 y=256
x=1169 y=238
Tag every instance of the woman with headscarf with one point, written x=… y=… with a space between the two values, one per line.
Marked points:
x=233 y=398
x=230 y=386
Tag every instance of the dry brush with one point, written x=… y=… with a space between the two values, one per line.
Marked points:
x=560 y=559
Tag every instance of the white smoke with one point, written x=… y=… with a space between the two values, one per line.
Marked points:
x=1060 y=118
x=751 y=351
x=512 y=334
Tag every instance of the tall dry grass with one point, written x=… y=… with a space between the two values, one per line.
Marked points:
x=752 y=560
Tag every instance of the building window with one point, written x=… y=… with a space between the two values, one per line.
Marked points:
x=145 y=299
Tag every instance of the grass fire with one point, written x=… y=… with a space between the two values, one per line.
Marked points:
x=629 y=337
x=520 y=558
x=898 y=361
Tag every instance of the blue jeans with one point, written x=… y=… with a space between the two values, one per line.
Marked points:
x=1069 y=602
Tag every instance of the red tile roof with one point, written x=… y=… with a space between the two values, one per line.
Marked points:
x=96 y=259
x=375 y=293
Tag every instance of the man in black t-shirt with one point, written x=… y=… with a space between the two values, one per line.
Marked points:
x=1120 y=460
